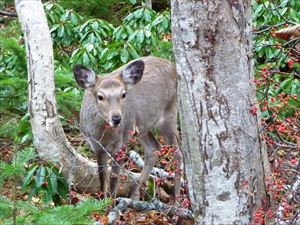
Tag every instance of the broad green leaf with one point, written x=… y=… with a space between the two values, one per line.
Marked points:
x=139 y=13
x=89 y=47
x=141 y=36
x=40 y=176
x=65 y=16
x=132 y=51
x=147 y=33
x=133 y=2
x=61 y=31
x=132 y=36
x=29 y=176
x=85 y=59
x=124 y=55
x=95 y=25
x=52 y=181
x=284 y=86
x=74 y=19
x=147 y=15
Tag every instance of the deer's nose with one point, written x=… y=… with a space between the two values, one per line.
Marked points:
x=116 y=119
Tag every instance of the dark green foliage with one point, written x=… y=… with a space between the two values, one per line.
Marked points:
x=13 y=78
x=111 y=10
x=45 y=180
x=67 y=94
x=64 y=215
x=283 y=12
x=98 y=44
x=141 y=33
x=62 y=24
x=274 y=53
x=92 y=8
x=13 y=56
x=15 y=168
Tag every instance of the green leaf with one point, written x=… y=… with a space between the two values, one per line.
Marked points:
x=285 y=85
x=95 y=25
x=138 y=13
x=258 y=10
x=147 y=33
x=165 y=23
x=89 y=47
x=133 y=2
x=118 y=32
x=132 y=36
x=27 y=137
x=74 y=19
x=54 y=27
x=85 y=59
x=53 y=181
x=294 y=88
x=141 y=36
x=29 y=176
x=124 y=55
x=132 y=51
x=40 y=176
x=33 y=191
x=147 y=15
x=61 y=31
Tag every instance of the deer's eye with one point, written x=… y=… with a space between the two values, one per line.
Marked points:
x=124 y=95
x=100 y=98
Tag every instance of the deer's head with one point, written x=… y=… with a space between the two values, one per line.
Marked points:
x=110 y=92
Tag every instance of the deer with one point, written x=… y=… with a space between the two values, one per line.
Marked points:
x=139 y=96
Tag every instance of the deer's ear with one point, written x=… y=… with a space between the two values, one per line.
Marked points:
x=85 y=77
x=133 y=72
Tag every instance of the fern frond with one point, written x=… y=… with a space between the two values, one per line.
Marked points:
x=22 y=157
x=5 y=207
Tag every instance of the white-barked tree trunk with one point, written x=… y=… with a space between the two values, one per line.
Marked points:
x=221 y=145
x=49 y=138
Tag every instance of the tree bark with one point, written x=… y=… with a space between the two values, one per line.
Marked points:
x=221 y=145
x=49 y=138
x=147 y=4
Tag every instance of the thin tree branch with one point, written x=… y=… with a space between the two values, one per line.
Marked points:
x=124 y=203
x=10 y=14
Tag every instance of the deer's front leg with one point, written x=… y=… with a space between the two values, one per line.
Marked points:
x=117 y=163
x=102 y=170
x=101 y=157
x=150 y=145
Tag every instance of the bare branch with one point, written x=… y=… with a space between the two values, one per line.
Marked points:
x=10 y=14
x=124 y=203
x=137 y=159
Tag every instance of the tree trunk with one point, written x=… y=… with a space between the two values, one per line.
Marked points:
x=147 y=4
x=49 y=138
x=221 y=145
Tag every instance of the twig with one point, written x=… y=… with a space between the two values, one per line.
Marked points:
x=137 y=159
x=4 y=13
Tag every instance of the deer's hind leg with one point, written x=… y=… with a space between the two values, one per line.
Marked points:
x=168 y=128
x=102 y=157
